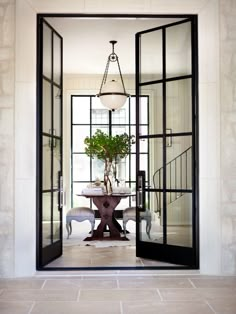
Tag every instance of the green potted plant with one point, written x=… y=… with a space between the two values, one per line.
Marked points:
x=109 y=149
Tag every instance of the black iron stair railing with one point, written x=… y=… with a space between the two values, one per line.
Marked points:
x=178 y=176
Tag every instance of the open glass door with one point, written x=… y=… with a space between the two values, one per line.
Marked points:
x=167 y=185
x=49 y=149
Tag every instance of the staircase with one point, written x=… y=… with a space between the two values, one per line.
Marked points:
x=178 y=177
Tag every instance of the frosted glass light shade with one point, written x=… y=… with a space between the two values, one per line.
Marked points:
x=112 y=95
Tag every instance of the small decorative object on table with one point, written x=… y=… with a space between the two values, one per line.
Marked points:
x=109 y=149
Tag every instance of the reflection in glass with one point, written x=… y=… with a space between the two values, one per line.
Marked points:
x=46 y=163
x=156 y=162
x=150 y=219
x=57 y=58
x=47 y=113
x=46 y=221
x=47 y=51
x=178 y=50
x=179 y=221
x=179 y=163
x=56 y=217
x=56 y=163
x=151 y=112
x=179 y=106
x=151 y=56
x=57 y=111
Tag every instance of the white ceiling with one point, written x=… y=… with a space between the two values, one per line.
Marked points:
x=86 y=41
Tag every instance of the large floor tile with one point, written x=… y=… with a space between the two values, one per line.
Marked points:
x=76 y=307
x=21 y=283
x=218 y=282
x=75 y=284
x=196 y=294
x=226 y=306
x=15 y=307
x=154 y=282
x=165 y=308
x=118 y=295
x=39 y=295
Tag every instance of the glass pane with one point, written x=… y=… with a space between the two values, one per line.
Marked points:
x=151 y=56
x=103 y=128
x=156 y=162
x=133 y=132
x=120 y=129
x=79 y=134
x=56 y=217
x=121 y=116
x=81 y=167
x=132 y=167
x=79 y=201
x=179 y=221
x=46 y=163
x=151 y=229
x=57 y=112
x=47 y=51
x=97 y=169
x=56 y=162
x=178 y=50
x=132 y=110
x=57 y=59
x=46 y=221
x=151 y=111
x=80 y=110
x=179 y=106
x=100 y=115
x=47 y=108
x=179 y=163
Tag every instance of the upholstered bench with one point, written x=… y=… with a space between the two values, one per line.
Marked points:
x=79 y=214
x=130 y=214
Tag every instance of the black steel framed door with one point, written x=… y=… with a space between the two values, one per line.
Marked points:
x=167 y=183
x=49 y=144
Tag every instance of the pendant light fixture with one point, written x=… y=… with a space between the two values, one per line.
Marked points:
x=112 y=93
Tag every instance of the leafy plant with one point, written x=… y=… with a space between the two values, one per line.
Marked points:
x=108 y=148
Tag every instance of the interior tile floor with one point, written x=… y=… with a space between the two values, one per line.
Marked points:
x=118 y=293
x=106 y=253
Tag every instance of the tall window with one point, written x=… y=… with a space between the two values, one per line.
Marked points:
x=88 y=115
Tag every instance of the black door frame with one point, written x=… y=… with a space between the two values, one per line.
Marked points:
x=38 y=140
x=163 y=251
x=46 y=254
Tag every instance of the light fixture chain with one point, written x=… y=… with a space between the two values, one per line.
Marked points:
x=121 y=75
x=104 y=79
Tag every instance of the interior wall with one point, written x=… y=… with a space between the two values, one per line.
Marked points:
x=7 y=110
x=209 y=116
x=228 y=134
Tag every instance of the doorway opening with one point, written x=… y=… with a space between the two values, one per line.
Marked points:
x=166 y=144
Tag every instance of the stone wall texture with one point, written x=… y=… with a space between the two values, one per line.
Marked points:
x=228 y=133
x=7 y=91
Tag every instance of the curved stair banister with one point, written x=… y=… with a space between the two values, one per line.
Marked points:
x=180 y=161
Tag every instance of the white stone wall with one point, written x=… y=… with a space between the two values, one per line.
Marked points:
x=228 y=134
x=7 y=98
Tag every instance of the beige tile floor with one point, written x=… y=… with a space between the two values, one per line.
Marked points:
x=118 y=292
x=79 y=253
